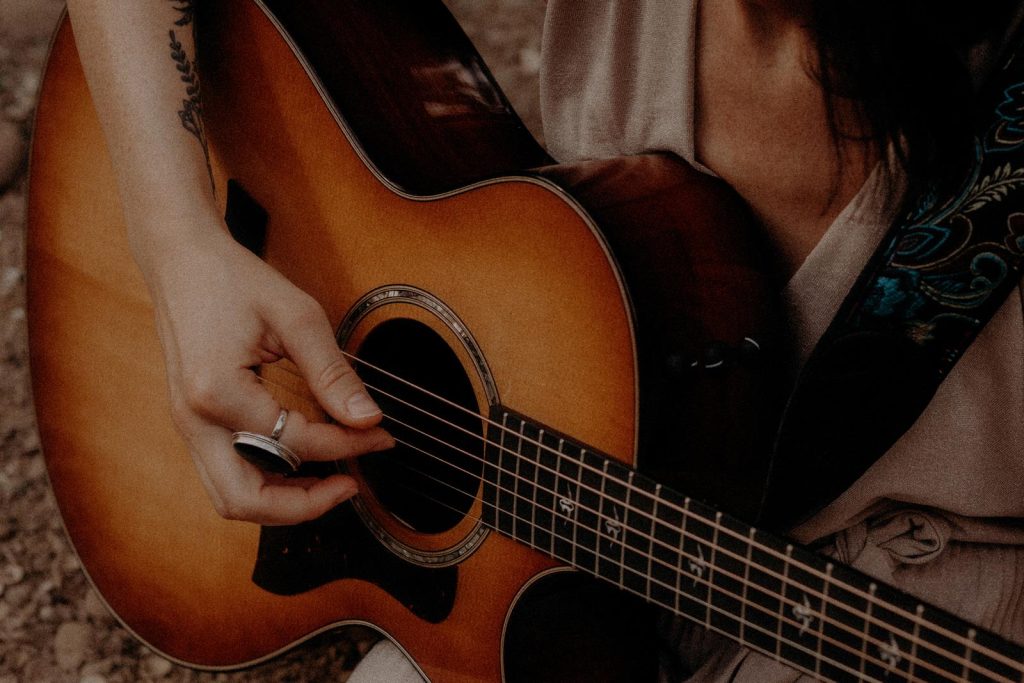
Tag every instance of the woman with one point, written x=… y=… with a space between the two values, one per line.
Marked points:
x=824 y=115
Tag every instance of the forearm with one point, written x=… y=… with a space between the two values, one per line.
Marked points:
x=219 y=310
x=138 y=60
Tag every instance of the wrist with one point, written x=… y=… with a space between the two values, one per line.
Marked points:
x=163 y=241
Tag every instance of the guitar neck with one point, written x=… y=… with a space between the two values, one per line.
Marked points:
x=601 y=517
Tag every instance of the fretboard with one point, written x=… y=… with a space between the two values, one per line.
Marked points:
x=824 y=618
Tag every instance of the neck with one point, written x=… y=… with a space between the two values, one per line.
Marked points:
x=825 y=619
x=763 y=123
x=780 y=10
x=774 y=23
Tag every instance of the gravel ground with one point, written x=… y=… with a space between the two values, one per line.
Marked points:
x=52 y=626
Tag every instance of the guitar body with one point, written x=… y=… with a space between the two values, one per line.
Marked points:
x=579 y=296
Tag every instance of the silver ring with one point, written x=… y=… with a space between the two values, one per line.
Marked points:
x=279 y=425
x=264 y=452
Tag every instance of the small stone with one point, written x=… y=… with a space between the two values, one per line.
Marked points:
x=17 y=596
x=31 y=442
x=94 y=607
x=99 y=668
x=44 y=589
x=10 y=278
x=157 y=666
x=12 y=574
x=34 y=468
x=29 y=83
x=12 y=152
x=69 y=564
x=20 y=108
x=529 y=60
x=71 y=644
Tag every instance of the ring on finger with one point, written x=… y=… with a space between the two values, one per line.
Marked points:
x=279 y=425
x=267 y=452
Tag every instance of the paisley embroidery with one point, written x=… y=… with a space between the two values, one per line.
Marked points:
x=1008 y=131
x=945 y=269
x=1015 y=240
x=994 y=187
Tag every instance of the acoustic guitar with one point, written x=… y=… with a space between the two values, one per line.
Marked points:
x=574 y=360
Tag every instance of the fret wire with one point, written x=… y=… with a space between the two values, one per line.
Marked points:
x=810 y=569
x=693 y=567
x=782 y=601
x=519 y=461
x=896 y=609
x=584 y=514
x=575 y=516
x=502 y=452
x=650 y=553
x=918 y=614
x=626 y=507
x=598 y=518
x=557 y=502
x=604 y=498
x=784 y=620
x=533 y=505
x=680 y=555
x=971 y=635
x=821 y=621
x=711 y=567
x=716 y=527
x=867 y=626
x=554 y=498
x=746 y=580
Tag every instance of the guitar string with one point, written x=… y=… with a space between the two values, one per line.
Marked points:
x=676 y=568
x=864 y=636
x=741 y=621
x=960 y=639
x=967 y=643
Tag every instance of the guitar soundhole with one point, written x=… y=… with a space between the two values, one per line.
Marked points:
x=430 y=479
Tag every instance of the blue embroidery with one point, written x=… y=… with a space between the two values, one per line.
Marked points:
x=951 y=259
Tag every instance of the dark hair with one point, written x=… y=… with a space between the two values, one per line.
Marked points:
x=902 y=64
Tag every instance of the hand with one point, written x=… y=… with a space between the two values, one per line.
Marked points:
x=221 y=311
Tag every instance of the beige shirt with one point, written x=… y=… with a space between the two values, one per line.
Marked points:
x=618 y=78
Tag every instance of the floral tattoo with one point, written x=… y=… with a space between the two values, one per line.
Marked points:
x=191 y=112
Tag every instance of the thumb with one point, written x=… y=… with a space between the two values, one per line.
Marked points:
x=309 y=342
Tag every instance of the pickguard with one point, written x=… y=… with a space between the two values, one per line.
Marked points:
x=295 y=559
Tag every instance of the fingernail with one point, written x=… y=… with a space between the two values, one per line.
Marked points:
x=361 y=405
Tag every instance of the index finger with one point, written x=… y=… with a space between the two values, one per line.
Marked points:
x=309 y=342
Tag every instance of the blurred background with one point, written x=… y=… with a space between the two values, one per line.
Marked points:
x=52 y=626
